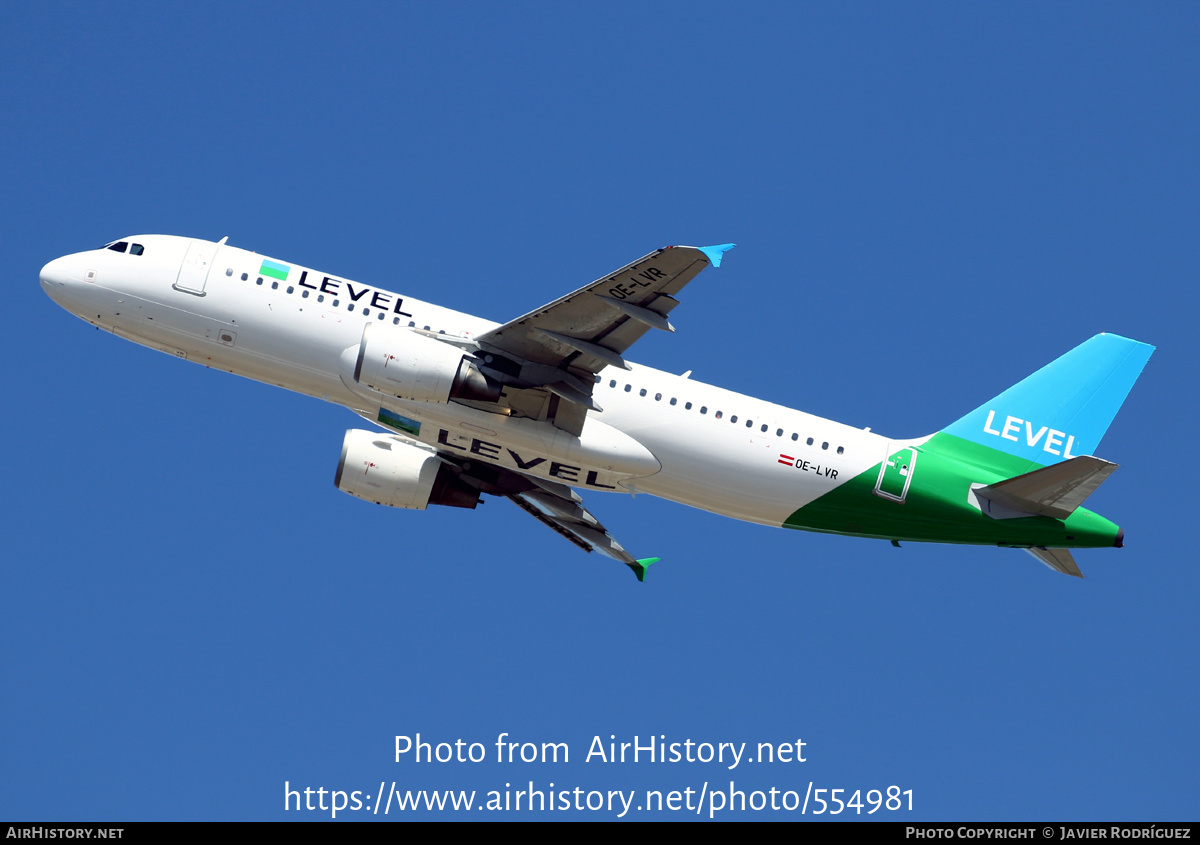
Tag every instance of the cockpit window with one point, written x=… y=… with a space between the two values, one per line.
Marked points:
x=121 y=246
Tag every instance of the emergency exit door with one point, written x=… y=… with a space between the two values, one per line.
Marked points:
x=895 y=474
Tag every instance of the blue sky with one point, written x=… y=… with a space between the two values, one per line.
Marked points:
x=930 y=200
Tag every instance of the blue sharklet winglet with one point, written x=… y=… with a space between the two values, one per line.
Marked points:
x=714 y=253
x=640 y=566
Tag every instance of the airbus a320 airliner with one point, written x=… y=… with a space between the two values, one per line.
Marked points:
x=546 y=406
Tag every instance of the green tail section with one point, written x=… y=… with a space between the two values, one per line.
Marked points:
x=924 y=493
x=1013 y=472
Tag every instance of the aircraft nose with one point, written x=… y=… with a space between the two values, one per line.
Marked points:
x=61 y=276
x=56 y=273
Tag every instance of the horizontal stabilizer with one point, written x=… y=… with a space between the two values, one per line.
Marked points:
x=1059 y=560
x=1054 y=491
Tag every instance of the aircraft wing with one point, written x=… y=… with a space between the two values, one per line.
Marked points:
x=569 y=518
x=555 y=505
x=591 y=328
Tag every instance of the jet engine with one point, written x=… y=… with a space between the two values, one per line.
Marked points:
x=388 y=471
x=408 y=365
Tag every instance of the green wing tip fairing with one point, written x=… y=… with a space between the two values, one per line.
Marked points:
x=640 y=566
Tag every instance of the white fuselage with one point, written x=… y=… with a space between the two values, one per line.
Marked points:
x=695 y=443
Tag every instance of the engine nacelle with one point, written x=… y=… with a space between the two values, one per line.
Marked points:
x=388 y=471
x=408 y=365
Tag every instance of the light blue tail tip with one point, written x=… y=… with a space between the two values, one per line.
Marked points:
x=715 y=253
x=639 y=567
x=1063 y=410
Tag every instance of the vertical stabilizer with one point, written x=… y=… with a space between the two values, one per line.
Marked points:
x=1063 y=409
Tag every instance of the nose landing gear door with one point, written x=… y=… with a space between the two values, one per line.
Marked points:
x=193 y=272
x=895 y=474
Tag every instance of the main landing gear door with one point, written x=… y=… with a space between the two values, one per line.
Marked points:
x=193 y=272
x=895 y=474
